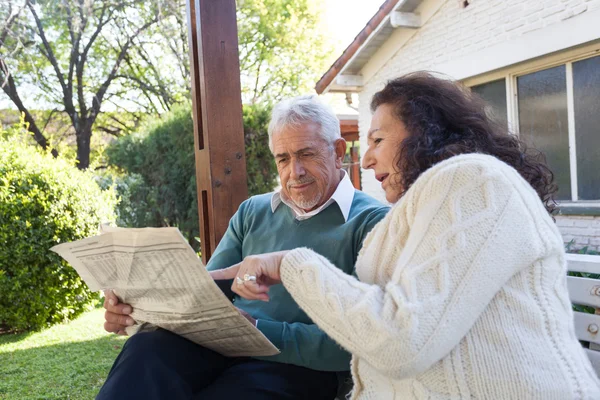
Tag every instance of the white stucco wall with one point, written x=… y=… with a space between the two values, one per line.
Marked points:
x=454 y=32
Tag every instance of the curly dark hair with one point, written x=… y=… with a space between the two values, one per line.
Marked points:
x=444 y=119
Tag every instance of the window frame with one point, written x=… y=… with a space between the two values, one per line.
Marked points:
x=510 y=75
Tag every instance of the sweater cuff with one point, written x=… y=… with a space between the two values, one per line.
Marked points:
x=291 y=263
x=273 y=331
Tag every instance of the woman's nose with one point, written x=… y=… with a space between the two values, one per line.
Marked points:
x=368 y=161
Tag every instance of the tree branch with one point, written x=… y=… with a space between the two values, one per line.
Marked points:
x=160 y=91
x=97 y=100
x=113 y=132
x=49 y=118
x=11 y=90
x=49 y=53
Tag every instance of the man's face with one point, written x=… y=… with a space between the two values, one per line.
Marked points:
x=309 y=167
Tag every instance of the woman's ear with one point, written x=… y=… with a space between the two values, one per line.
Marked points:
x=340 y=152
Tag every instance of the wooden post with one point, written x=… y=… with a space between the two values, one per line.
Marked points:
x=355 y=169
x=217 y=112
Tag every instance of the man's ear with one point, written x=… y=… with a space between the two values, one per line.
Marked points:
x=340 y=152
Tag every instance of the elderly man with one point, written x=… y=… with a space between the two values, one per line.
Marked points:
x=317 y=207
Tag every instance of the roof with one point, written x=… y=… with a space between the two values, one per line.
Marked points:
x=365 y=44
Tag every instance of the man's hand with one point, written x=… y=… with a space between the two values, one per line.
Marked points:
x=247 y=316
x=117 y=314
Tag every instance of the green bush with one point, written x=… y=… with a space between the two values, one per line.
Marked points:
x=155 y=177
x=43 y=202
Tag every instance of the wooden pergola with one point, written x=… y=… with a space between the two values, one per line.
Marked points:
x=217 y=111
x=350 y=133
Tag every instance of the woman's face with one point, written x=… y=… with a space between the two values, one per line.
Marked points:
x=385 y=136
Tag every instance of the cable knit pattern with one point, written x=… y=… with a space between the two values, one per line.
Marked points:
x=462 y=294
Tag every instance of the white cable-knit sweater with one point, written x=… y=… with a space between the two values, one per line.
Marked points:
x=462 y=294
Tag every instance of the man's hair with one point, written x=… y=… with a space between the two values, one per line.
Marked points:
x=301 y=110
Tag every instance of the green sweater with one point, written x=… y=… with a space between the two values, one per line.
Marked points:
x=255 y=229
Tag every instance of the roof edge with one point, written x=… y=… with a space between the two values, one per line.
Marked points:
x=385 y=9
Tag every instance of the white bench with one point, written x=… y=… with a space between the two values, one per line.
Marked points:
x=586 y=292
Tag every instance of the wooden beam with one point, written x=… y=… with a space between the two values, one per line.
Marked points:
x=217 y=112
x=355 y=169
x=349 y=80
x=349 y=129
x=409 y=20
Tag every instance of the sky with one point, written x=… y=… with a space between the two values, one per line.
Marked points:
x=346 y=18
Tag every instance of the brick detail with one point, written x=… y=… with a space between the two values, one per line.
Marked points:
x=583 y=230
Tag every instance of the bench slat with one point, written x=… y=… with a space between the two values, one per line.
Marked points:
x=584 y=291
x=594 y=357
x=583 y=263
x=587 y=327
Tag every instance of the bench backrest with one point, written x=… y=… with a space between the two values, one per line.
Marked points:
x=585 y=291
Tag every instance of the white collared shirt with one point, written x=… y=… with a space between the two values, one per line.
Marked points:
x=343 y=196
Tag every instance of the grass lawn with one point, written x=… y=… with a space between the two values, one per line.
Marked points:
x=67 y=361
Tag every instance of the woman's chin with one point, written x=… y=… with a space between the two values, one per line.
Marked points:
x=391 y=196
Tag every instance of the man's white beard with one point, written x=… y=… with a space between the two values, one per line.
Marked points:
x=307 y=204
x=304 y=204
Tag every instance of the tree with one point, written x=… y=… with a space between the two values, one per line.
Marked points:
x=73 y=51
x=9 y=30
x=282 y=48
x=133 y=55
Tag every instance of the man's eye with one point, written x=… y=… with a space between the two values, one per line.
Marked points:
x=377 y=141
x=282 y=161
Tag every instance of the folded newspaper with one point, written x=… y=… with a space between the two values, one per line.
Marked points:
x=157 y=272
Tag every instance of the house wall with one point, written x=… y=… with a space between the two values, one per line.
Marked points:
x=583 y=230
x=455 y=32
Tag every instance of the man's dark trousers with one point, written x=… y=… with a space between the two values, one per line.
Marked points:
x=162 y=365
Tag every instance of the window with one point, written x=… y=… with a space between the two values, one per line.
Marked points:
x=586 y=96
x=495 y=94
x=556 y=110
x=543 y=121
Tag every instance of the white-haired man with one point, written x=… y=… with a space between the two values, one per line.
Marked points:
x=317 y=207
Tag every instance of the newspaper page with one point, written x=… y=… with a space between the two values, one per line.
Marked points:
x=157 y=272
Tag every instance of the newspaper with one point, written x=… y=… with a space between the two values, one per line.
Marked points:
x=157 y=272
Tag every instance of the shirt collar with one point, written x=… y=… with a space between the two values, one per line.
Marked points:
x=343 y=196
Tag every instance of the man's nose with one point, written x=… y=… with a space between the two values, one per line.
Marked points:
x=297 y=169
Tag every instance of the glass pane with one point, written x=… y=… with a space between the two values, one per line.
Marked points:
x=543 y=121
x=495 y=94
x=586 y=94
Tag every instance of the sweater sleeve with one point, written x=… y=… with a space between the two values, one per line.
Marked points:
x=470 y=228
x=229 y=250
x=305 y=345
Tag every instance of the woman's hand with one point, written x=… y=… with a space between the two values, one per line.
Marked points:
x=253 y=277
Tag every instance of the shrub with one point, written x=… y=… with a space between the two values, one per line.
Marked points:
x=156 y=183
x=43 y=202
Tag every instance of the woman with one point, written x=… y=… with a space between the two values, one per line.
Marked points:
x=461 y=289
